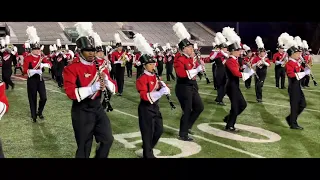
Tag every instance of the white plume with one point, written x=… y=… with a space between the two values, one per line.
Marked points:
x=84 y=28
x=217 y=41
x=42 y=47
x=55 y=47
x=7 y=39
x=128 y=47
x=195 y=46
x=299 y=41
x=142 y=45
x=66 y=47
x=97 y=39
x=15 y=49
x=164 y=48
x=259 y=42
x=289 y=42
x=283 y=38
x=214 y=44
x=231 y=36
x=50 y=48
x=168 y=46
x=181 y=31
x=32 y=35
x=246 y=48
x=155 y=45
x=305 y=44
x=117 y=38
x=221 y=38
x=3 y=42
x=58 y=43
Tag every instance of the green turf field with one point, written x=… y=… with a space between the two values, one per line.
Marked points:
x=264 y=130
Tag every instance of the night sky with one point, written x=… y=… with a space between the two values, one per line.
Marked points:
x=270 y=31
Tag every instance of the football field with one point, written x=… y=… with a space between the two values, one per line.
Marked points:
x=264 y=131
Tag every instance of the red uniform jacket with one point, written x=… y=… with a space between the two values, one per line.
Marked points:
x=3 y=97
x=307 y=58
x=137 y=59
x=115 y=56
x=78 y=75
x=33 y=62
x=277 y=57
x=24 y=54
x=293 y=67
x=75 y=60
x=145 y=84
x=182 y=63
x=257 y=59
x=233 y=65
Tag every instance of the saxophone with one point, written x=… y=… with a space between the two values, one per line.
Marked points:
x=123 y=59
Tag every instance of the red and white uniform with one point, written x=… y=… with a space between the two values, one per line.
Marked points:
x=115 y=57
x=257 y=61
x=80 y=76
x=184 y=66
x=4 y=104
x=278 y=58
x=35 y=62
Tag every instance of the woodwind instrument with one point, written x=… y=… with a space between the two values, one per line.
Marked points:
x=311 y=75
x=198 y=56
x=167 y=95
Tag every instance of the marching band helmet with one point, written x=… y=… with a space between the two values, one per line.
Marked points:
x=99 y=49
x=234 y=47
x=35 y=45
x=86 y=43
x=184 y=43
x=292 y=50
x=222 y=45
x=146 y=59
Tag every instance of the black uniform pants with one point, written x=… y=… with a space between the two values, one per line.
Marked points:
x=6 y=77
x=191 y=105
x=305 y=81
x=129 y=69
x=59 y=79
x=15 y=70
x=221 y=79
x=238 y=104
x=1 y=151
x=262 y=73
x=214 y=66
x=151 y=126
x=113 y=71
x=169 y=70
x=88 y=120
x=160 y=68
x=139 y=71
x=280 y=74
x=247 y=83
x=297 y=101
x=34 y=85
x=120 y=77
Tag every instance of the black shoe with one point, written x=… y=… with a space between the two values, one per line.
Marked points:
x=40 y=116
x=307 y=86
x=296 y=127
x=190 y=132
x=34 y=120
x=119 y=94
x=221 y=103
x=225 y=119
x=283 y=88
x=215 y=88
x=12 y=87
x=185 y=138
x=288 y=120
x=259 y=100
x=231 y=129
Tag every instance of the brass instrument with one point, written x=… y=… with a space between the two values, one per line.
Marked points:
x=123 y=59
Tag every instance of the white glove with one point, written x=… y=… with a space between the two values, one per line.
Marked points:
x=199 y=68
x=251 y=72
x=32 y=72
x=138 y=63
x=64 y=56
x=164 y=85
x=13 y=52
x=282 y=62
x=95 y=87
x=164 y=90
x=278 y=62
x=244 y=66
x=307 y=71
x=126 y=56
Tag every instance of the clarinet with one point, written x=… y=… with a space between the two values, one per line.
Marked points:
x=204 y=73
x=167 y=95
x=107 y=104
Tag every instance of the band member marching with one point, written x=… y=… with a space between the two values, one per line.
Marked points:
x=19 y=62
x=130 y=61
x=186 y=88
x=137 y=64
x=260 y=63
x=61 y=62
x=119 y=58
x=160 y=58
x=238 y=103
x=212 y=56
x=33 y=64
x=220 y=71
x=248 y=63
x=169 y=60
x=296 y=95
x=9 y=57
x=150 y=90
x=84 y=82
x=279 y=59
x=4 y=107
x=308 y=60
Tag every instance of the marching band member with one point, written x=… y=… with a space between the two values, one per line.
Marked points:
x=19 y=62
x=119 y=59
x=160 y=58
x=308 y=60
x=220 y=71
x=279 y=59
x=260 y=63
x=212 y=56
x=187 y=88
x=137 y=64
x=83 y=84
x=4 y=107
x=61 y=62
x=32 y=66
x=169 y=58
x=150 y=90
x=238 y=103
x=247 y=63
x=296 y=96
x=130 y=61
x=9 y=57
